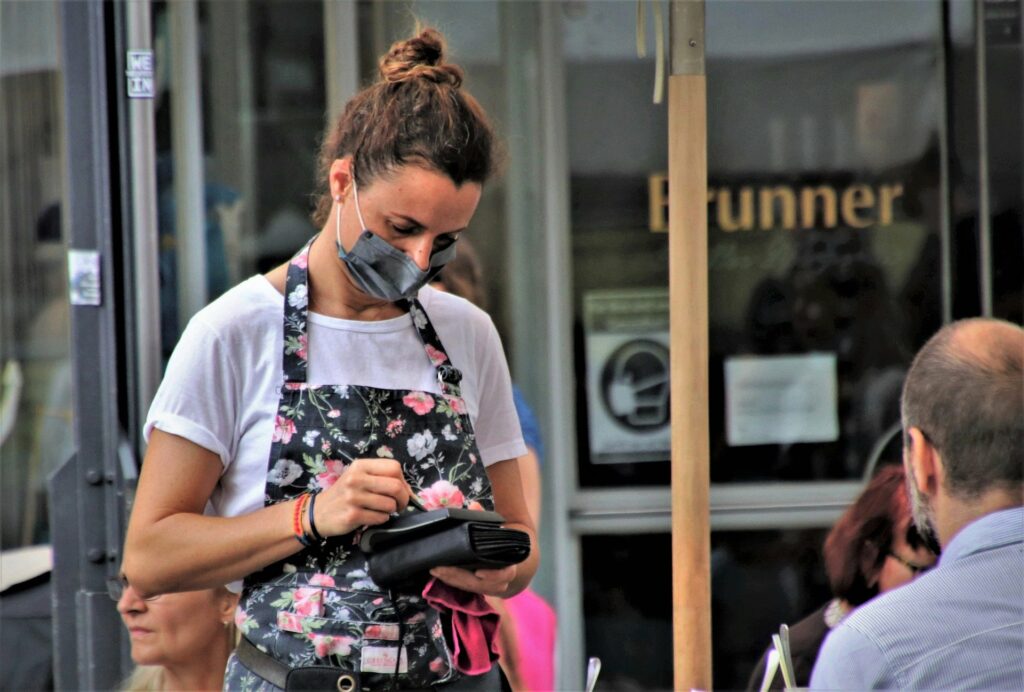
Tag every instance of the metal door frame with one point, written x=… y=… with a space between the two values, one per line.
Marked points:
x=87 y=493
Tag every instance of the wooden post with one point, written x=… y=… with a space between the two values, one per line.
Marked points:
x=688 y=320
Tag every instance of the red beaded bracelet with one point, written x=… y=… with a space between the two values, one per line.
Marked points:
x=300 y=534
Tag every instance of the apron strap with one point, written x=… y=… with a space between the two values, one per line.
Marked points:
x=296 y=307
x=296 y=342
x=448 y=376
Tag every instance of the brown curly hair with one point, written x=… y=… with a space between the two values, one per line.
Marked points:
x=416 y=112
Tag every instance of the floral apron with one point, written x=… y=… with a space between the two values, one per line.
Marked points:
x=320 y=606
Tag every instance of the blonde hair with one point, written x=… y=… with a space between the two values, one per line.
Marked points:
x=144 y=679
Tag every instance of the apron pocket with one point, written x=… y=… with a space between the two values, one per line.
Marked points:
x=373 y=648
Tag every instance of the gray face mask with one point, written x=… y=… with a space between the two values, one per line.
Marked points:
x=381 y=270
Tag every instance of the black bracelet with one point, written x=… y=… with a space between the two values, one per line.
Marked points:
x=312 y=524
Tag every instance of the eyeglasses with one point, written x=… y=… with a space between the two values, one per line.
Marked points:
x=117 y=585
x=912 y=566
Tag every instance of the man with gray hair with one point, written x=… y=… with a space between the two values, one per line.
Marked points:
x=961 y=625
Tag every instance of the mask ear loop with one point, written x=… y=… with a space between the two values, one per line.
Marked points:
x=337 y=221
x=337 y=215
x=355 y=194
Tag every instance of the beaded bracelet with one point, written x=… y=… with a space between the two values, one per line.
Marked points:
x=312 y=522
x=297 y=529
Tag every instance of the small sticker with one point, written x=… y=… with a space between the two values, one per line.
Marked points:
x=84 y=277
x=382 y=659
x=139 y=75
x=385 y=632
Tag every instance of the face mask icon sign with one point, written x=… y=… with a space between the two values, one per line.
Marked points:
x=635 y=385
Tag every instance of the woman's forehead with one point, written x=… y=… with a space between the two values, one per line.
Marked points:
x=425 y=195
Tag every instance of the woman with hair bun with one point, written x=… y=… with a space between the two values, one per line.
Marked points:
x=311 y=402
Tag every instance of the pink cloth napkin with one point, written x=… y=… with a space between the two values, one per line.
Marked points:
x=474 y=626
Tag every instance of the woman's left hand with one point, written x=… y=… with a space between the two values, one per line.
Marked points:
x=489 y=582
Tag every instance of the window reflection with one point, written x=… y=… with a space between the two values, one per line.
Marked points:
x=36 y=433
x=263 y=103
x=627 y=589
x=759 y=579
x=824 y=226
x=617 y=140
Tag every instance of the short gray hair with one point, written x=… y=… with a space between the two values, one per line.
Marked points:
x=968 y=400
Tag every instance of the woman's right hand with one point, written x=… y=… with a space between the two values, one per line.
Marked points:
x=173 y=546
x=366 y=493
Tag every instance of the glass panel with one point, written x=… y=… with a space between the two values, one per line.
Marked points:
x=824 y=235
x=1005 y=113
x=263 y=103
x=617 y=140
x=36 y=433
x=824 y=229
x=759 y=579
x=474 y=43
x=627 y=592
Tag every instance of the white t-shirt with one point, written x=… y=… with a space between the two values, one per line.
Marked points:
x=222 y=384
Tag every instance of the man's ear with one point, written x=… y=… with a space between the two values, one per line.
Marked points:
x=924 y=462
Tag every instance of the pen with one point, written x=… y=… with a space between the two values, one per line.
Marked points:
x=414 y=499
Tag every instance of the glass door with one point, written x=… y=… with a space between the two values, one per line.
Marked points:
x=826 y=232
x=239 y=112
x=36 y=419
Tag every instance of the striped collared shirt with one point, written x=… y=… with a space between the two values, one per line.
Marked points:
x=961 y=625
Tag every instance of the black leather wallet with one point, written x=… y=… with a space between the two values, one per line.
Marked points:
x=401 y=551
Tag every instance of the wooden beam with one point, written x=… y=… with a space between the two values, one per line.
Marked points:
x=688 y=320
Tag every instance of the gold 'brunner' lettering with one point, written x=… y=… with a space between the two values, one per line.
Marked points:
x=785 y=207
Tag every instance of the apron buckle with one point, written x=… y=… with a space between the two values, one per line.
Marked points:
x=448 y=374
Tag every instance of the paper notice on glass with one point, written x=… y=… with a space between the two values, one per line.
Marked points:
x=781 y=399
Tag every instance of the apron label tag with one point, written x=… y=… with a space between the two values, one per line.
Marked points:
x=383 y=632
x=382 y=659
x=289 y=622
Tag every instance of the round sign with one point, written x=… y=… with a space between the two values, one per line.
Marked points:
x=635 y=385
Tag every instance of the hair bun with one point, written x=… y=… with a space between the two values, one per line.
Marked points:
x=420 y=57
